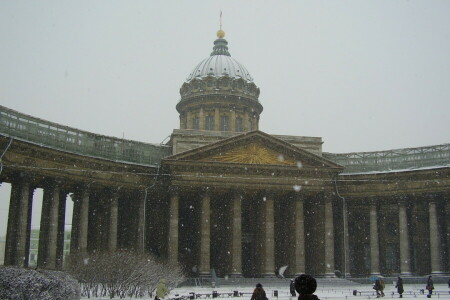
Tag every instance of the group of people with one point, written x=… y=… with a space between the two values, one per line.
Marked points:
x=304 y=285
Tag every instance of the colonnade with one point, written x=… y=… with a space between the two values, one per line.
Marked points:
x=95 y=222
x=267 y=232
x=249 y=121
x=404 y=238
x=97 y=225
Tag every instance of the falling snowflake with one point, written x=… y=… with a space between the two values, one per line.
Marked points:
x=297 y=188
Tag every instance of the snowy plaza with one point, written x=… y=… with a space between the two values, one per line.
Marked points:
x=412 y=291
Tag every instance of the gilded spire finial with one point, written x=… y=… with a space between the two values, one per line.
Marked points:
x=220 y=33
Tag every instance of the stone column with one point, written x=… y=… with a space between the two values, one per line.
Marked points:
x=113 y=222
x=61 y=232
x=299 y=259
x=173 y=225
x=269 y=238
x=80 y=220
x=188 y=120
x=329 y=238
x=83 y=221
x=245 y=122
x=233 y=121
x=236 y=237
x=216 y=119
x=16 y=253
x=48 y=235
x=374 y=246
x=346 y=239
x=182 y=121
x=205 y=235
x=10 y=245
x=30 y=212
x=254 y=123
x=140 y=236
x=405 y=260
x=201 y=119
x=435 y=243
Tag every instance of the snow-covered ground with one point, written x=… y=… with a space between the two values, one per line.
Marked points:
x=411 y=291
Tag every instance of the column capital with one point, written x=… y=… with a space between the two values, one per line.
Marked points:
x=206 y=191
x=432 y=198
x=174 y=190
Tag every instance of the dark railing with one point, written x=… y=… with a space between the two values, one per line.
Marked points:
x=398 y=159
x=60 y=137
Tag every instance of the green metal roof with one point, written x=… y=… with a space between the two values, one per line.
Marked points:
x=64 y=138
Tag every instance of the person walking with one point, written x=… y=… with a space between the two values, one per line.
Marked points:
x=430 y=286
x=306 y=285
x=378 y=288
x=382 y=287
x=161 y=290
x=292 y=288
x=399 y=286
x=259 y=293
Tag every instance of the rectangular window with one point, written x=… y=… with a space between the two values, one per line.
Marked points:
x=238 y=124
x=196 y=123
x=224 y=123
x=209 y=123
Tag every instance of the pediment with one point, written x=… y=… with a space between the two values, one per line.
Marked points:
x=252 y=153
x=254 y=148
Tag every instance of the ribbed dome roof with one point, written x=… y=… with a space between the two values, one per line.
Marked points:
x=220 y=64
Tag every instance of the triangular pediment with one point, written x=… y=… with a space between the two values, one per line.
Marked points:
x=252 y=153
x=254 y=148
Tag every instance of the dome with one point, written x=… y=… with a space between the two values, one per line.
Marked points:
x=220 y=64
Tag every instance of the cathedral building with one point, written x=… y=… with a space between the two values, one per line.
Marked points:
x=223 y=195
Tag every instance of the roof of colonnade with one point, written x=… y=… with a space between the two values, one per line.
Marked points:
x=64 y=138
x=59 y=137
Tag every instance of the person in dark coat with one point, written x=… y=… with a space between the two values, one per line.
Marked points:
x=399 y=286
x=306 y=285
x=292 y=288
x=378 y=288
x=430 y=286
x=259 y=293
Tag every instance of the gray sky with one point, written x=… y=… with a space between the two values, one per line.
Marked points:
x=363 y=75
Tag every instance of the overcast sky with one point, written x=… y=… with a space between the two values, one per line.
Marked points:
x=363 y=75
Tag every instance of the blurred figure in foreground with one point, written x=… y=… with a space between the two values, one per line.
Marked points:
x=161 y=289
x=259 y=293
x=292 y=288
x=306 y=285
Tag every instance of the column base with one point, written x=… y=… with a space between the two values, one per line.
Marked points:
x=375 y=274
x=438 y=273
x=235 y=275
x=406 y=274
x=329 y=275
x=204 y=274
x=268 y=275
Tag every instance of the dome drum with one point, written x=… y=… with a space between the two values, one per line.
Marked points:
x=223 y=85
x=222 y=100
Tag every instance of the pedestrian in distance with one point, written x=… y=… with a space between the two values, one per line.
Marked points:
x=292 y=288
x=429 y=286
x=259 y=293
x=399 y=286
x=306 y=285
x=161 y=290
x=382 y=287
x=378 y=288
